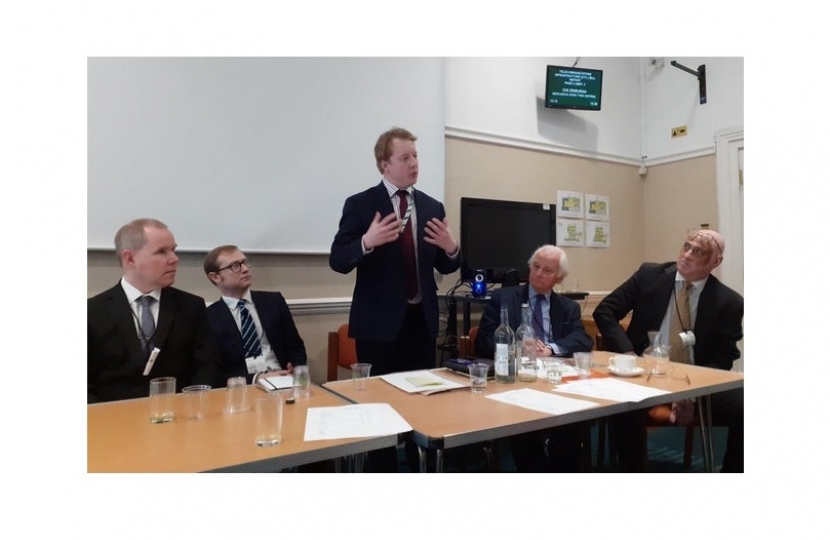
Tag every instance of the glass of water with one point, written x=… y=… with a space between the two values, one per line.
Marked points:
x=553 y=367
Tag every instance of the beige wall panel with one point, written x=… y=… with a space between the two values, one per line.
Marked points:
x=678 y=196
x=497 y=172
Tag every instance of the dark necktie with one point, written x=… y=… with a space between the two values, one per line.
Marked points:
x=681 y=320
x=250 y=338
x=148 y=325
x=408 y=247
x=538 y=320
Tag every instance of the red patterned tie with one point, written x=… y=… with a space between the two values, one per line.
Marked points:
x=408 y=247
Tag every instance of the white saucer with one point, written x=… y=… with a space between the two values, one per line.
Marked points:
x=633 y=373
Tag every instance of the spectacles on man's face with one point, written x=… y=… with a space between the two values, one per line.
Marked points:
x=236 y=267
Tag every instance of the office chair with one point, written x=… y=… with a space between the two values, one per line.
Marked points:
x=467 y=344
x=658 y=416
x=341 y=352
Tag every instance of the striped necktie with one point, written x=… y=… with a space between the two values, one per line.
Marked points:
x=408 y=245
x=250 y=338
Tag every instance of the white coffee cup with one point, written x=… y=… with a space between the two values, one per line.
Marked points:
x=623 y=362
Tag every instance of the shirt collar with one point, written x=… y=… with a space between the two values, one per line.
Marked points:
x=133 y=294
x=534 y=292
x=392 y=189
x=232 y=302
x=696 y=285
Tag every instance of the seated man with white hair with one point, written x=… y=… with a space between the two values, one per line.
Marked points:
x=559 y=331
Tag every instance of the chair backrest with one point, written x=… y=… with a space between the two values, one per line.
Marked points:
x=341 y=352
x=473 y=334
x=467 y=344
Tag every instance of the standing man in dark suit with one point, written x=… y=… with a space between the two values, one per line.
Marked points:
x=142 y=313
x=273 y=346
x=709 y=339
x=395 y=236
x=558 y=323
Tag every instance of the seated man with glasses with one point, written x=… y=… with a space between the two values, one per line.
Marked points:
x=702 y=319
x=253 y=330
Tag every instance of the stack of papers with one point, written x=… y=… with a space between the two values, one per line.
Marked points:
x=610 y=389
x=423 y=382
x=347 y=421
x=542 y=401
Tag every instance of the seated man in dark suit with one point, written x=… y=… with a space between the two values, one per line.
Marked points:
x=253 y=330
x=703 y=319
x=143 y=313
x=559 y=330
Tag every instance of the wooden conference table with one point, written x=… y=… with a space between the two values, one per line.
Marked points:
x=459 y=417
x=120 y=437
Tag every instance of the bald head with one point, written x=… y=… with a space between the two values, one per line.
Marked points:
x=712 y=237
x=702 y=252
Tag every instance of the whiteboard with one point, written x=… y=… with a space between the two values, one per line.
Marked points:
x=258 y=152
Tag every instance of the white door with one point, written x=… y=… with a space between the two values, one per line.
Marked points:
x=730 y=179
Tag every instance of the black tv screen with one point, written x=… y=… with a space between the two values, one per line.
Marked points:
x=500 y=236
x=573 y=88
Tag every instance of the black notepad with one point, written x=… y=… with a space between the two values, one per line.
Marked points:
x=461 y=365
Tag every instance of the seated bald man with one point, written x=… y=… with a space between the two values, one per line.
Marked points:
x=707 y=337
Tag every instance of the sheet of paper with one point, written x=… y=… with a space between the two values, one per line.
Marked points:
x=610 y=389
x=542 y=401
x=346 y=421
x=420 y=381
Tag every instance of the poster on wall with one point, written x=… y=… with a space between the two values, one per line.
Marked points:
x=597 y=207
x=597 y=234
x=569 y=204
x=570 y=232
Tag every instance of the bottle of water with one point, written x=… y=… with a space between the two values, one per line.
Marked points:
x=526 y=346
x=505 y=350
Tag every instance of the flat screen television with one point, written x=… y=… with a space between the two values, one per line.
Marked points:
x=573 y=88
x=499 y=236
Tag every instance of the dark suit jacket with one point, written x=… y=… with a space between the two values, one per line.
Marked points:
x=115 y=359
x=379 y=300
x=718 y=325
x=565 y=320
x=277 y=324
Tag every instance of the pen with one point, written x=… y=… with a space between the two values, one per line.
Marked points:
x=151 y=361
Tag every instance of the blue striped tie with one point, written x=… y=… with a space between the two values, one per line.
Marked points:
x=250 y=338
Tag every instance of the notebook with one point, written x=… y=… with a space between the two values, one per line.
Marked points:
x=461 y=365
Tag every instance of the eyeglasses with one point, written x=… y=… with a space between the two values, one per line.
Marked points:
x=236 y=267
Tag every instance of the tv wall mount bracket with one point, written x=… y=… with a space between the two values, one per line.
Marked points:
x=701 y=78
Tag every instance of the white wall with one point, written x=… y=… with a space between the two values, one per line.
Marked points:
x=500 y=100
x=672 y=99
x=257 y=152
x=503 y=97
